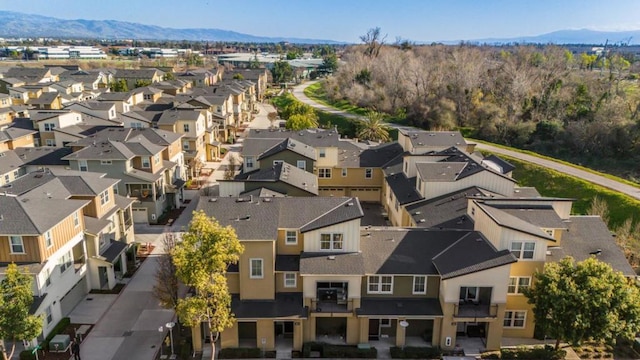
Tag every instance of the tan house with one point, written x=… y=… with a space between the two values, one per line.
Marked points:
x=136 y=77
x=191 y=124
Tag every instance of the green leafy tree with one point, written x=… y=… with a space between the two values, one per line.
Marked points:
x=584 y=300
x=16 y=297
x=168 y=76
x=330 y=63
x=201 y=261
x=302 y=121
x=142 y=83
x=119 y=86
x=238 y=76
x=374 y=128
x=282 y=72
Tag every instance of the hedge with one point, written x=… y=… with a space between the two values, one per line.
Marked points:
x=535 y=353
x=338 y=351
x=60 y=326
x=414 y=352
x=244 y=353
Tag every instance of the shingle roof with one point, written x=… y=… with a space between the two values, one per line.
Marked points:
x=94 y=226
x=170 y=117
x=443 y=139
x=586 y=235
x=43 y=155
x=44 y=99
x=285 y=173
x=9 y=161
x=510 y=221
x=103 y=150
x=291 y=145
x=543 y=216
x=154 y=136
x=27 y=215
x=332 y=263
x=504 y=166
x=380 y=155
x=13 y=133
x=400 y=307
x=289 y=305
x=403 y=188
x=262 y=192
x=113 y=251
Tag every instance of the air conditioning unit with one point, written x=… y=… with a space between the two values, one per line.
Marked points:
x=60 y=343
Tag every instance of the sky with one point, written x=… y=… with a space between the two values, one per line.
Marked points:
x=346 y=20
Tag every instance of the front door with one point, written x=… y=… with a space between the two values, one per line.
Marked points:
x=102 y=274
x=374 y=329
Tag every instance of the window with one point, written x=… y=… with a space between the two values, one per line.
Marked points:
x=48 y=239
x=104 y=197
x=76 y=220
x=156 y=158
x=185 y=145
x=344 y=172
x=331 y=241
x=368 y=173
x=301 y=164
x=185 y=127
x=324 y=173
x=248 y=160
x=17 y=245
x=380 y=285
x=136 y=125
x=47 y=278
x=65 y=261
x=523 y=250
x=7 y=178
x=146 y=162
x=518 y=284
x=514 y=319
x=16 y=173
x=49 y=126
x=105 y=162
x=385 y=322
x=473 y=211
x=48 y=315
x=291 y=237
x=82 y=165
x=322 y=153
x=419 y=284
x=289 y=280
x=255 y=269
x=50 y=142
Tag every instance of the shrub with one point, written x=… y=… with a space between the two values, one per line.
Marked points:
x=338 y=351
x=414 y=352
x=240 y=353
x=535 y=353
x=60 y=326
x=27 y=355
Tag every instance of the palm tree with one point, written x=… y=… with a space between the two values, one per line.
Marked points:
x=373 y=128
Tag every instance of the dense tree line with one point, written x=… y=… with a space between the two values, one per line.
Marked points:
x=582 y=108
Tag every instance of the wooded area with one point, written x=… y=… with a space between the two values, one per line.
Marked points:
x=582 y=108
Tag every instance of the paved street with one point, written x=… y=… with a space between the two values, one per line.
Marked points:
x=634 y=192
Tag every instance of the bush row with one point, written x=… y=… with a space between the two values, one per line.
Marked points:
x=338 y=351
x=414 y=352
x=534 y=353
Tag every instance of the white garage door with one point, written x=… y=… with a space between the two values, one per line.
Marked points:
x=73 y=297
x=366 y=194
x=140 y=215
x=331 y=192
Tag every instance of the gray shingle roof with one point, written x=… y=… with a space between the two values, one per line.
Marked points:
x=288 y=144
x=586 y=235
x=400 y=307
x=13 y=133
x=380 y=155
x=113 y=251
x=510 y=221
x=442 y=139
x=262 y=192
x=543 y=216
x=505 y=166
x=332 y=264
x=27 y=215
x=170 y=117
x=102 y=150
x=43 y=155
x=289 y=305
x=94 y=226
x=285 y=173
x=154 y=136
x=440 y=172
x=9 y=161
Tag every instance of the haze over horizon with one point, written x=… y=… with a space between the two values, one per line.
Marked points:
x=421 y=21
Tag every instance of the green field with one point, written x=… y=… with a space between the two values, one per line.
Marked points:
x=317 y=93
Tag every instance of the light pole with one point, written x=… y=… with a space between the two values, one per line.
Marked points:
x=170 y=326
x=161 y=330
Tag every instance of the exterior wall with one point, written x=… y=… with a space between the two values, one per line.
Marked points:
x=519 y=302
x=330 y=159
x=496 y=278
x=13 y=174
x=484 y=179
x=62 y=233
x=403 y=287
x=230 y=188
x=32 y=250
x=233 y=282
x=351 y=237
x=60 y=138
x=265 y=330
x=355 y=178
x=263 y=288
x=25 y=141
x=289 y=249
x=287 y=156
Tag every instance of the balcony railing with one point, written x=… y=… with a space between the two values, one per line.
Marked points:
x=79 y=263
x=332 y=306
x=475 y=309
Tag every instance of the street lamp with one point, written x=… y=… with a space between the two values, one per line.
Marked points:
x=161 y=330
x=170 y=326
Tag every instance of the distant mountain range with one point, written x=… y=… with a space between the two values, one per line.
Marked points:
x=19 y=25
x=22 y=25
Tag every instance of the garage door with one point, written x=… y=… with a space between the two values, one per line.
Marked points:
x=366 y=194
x=73 y=297
x=140 y=215
x=331 y=192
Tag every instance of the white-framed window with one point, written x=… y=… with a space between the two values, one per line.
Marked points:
x=146 y=162
x=76 y=219
x=48 y=239
x=48 y=315
x=322 y=153
x=185 y=127
x=82 y=165
x=47 y=277
x=331 y=241
x=515 y=318
x=104 y=197
x=291 y=237
x=324 y=173
x=106 y=162
x=66 y=261
x=289 y=279
x=344 y=172
x=49 y=126
x=518 y=283
x=385 y=322
x=136 y=125
x=368 y=173
x=156 y=158
x=523 y=249
x=248 y=160
x=17 y=245
x=50 y=142
x=255 y=268
x=301 y=164
x=419 y=284
x=379 y=284
x=7 y=178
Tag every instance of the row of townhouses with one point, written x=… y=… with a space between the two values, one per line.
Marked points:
x=457 y=243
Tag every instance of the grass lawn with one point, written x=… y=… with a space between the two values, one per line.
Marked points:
x=316 y=92
x=555 y=184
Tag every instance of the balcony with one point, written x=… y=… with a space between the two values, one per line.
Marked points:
x=332 y=297
x=475 y=302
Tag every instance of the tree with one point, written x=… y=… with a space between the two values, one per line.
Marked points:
x=373 y=42
x=238 y=76
x=272 y=116
x=142 y=83
x=599 y=207
x=302 y=121
x=168 y=76
x=330 y=63
x=282 y=72
x=201 y=261
x=166 y=287
x=373 y=128
x=16 y=297
x=230 y=171
x=119 y=86
x=584 y=300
